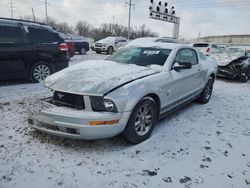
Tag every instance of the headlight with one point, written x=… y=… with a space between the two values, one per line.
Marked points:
x=109 y=105
x=104 y=45
x=100 y=104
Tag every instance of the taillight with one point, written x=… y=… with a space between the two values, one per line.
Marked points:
x=63 y=47
x=208 y=49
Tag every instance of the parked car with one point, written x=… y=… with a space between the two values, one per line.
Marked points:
x=109 y=44
x=154 y=39
x=81 y=44
x=30 y=50
x=207 y=48
x=237 y=69
x=126 y=93
x=70 y=43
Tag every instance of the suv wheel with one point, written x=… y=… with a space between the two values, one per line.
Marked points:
x=207 y=92
x=141 y=122
x=39 y=71
x=110 y=50
x=82 y=51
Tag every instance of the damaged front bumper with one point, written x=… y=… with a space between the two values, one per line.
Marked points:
x=71 y=123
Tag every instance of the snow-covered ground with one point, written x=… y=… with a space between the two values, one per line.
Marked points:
x=198 y=146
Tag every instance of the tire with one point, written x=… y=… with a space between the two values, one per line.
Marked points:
x=244 y=77
x=142 y=131
x=110 y=50
x=39 y=71
x=207 y=92
x=82 y=51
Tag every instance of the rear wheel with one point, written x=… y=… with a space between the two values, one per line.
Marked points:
x=110 y=50
x=82 y=51
x=207 y=91
x=142 y=121
x=39 y=71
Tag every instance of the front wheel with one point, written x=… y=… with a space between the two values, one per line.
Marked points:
x=142 y=121
x=110 y=50
x=39 y=71
x=207 y=92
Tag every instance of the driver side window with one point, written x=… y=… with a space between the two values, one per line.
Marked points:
x=187 y=55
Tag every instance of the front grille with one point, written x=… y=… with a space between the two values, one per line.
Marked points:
x=98 y=45
x=68 y=100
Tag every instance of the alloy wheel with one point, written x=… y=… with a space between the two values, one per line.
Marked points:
x=144 y=119
x=41 y=72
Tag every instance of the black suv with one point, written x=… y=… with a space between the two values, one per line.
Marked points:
x=30 y=50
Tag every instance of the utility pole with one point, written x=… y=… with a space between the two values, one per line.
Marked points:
x=11 y=9
x=34 y=18
x=46 y=11
x=130 y=4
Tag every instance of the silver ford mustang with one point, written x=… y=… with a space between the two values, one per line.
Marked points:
x=126 y=93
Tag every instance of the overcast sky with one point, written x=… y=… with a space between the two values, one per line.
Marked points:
x=210 y=17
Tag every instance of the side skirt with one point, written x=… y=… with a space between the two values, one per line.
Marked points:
x=166 y=111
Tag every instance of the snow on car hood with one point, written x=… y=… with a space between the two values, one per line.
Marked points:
x=96 y=77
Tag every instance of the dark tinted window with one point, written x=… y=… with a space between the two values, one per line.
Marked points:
x=201 y=45
x=38 y=35
x=187 y=55
x=10 y=34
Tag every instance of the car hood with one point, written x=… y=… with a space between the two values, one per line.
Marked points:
x=96 y=77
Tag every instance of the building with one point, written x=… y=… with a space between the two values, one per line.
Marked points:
x=225 y=39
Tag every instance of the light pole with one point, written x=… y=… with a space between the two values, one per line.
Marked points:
x=46 y=11
x=130 y=4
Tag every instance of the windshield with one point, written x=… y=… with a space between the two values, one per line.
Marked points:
x=141 y=56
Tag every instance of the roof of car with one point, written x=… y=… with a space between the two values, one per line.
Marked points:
x=24 y=22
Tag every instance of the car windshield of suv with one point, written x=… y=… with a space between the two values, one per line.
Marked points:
x=109 y=39
x=141 y=56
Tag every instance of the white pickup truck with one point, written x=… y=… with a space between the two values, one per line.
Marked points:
x=109 y=44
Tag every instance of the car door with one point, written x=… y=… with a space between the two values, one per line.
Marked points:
x=44 y=42
x=12 y=50
x=186 y=82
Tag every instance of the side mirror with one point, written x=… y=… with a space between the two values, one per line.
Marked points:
x=182 y=65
